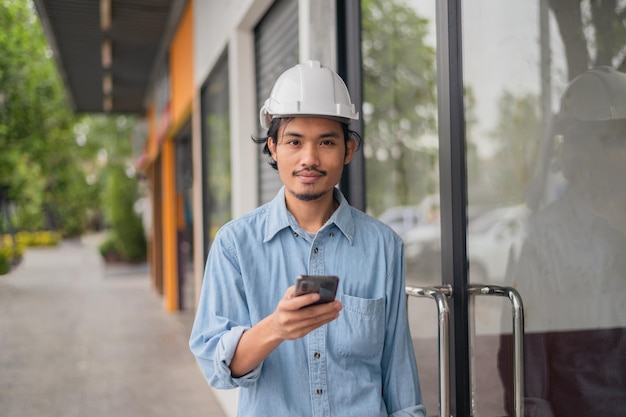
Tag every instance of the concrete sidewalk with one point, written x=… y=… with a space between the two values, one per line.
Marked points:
x=80 y=339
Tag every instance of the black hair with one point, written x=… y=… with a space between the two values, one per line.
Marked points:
x=272 y=132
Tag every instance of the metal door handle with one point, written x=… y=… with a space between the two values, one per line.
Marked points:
x=440 y=294
x=518 y=337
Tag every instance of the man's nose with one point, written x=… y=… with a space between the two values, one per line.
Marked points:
x=310 y=155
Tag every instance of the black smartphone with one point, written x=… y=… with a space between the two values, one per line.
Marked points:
x=325 y=285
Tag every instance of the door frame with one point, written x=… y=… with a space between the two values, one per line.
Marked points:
x=453 y=197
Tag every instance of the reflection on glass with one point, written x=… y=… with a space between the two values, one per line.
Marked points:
x=572 y=265
x=216 y=145
x=184 y=232
x=551 y=189
x=399 y=110
x=399 y=106
x=401 y=152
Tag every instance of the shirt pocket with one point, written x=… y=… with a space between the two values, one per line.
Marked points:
x=360 y=328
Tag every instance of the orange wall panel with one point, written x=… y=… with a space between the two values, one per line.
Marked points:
x=152 y=148
x=181 y=68
x=170 y=240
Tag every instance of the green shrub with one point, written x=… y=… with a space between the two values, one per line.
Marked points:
x=4 y=263
x=10 y=249
x=108 y=251
x=38 y=239
x=10 y=254
x=127 y=235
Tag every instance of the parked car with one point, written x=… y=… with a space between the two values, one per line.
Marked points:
x=405 y=218
x=422 y=254
x=402 y=218
x=494 y=239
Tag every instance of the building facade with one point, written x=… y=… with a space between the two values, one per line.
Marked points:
x=466 y=152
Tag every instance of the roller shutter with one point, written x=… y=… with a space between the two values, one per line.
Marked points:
x=276 y=49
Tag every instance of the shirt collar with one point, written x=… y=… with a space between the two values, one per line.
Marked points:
x=278 y=216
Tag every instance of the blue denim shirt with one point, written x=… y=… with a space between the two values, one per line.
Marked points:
x=362 y=364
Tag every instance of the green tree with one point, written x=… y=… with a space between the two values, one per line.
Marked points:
x=36 y=161
x=511 y=167
x=53 y=161
x=102 y=141
x=593 y=33
x=399 y=104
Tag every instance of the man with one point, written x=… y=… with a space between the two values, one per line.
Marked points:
x=571 y=272
x=349 y=357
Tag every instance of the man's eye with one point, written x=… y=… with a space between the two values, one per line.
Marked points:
x=293 y=142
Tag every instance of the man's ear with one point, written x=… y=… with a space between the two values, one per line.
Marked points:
x=271 y=145
x=350 y=149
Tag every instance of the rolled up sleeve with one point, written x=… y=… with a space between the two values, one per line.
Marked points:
x=221 y=320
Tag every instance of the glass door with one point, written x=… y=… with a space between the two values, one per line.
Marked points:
x=495 y=145
x=400 y=150
x=546 y=158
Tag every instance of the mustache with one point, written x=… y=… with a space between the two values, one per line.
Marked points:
x=310 y=169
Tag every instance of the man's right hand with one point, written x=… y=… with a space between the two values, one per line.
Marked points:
x=291 y=320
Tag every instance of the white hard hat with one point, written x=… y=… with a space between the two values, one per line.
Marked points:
x=309 y=89
x=596 y=95
x=592 y=105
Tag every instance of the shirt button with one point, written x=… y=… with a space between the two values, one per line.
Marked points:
x=315 y=250
x=332 y=234
x=316 y=355
x=295 y=234
x=319 y=391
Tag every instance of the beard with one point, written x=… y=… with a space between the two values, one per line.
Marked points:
x=308 y=196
